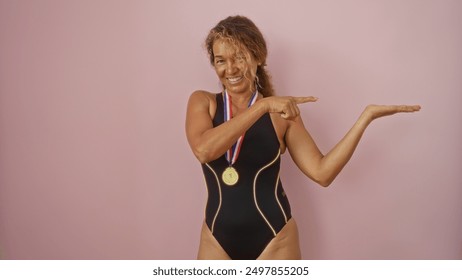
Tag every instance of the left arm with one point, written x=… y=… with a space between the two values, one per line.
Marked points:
x=324 y=168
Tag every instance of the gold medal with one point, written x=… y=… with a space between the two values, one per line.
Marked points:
x=230 y=176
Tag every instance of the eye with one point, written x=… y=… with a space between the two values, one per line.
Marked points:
x=219 y=61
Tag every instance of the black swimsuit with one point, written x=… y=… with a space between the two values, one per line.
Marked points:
x=245 y=217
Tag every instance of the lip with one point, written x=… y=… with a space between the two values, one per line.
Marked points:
x=234 y=80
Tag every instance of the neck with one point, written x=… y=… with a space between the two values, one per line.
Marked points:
x=240 y=99
x=231 y=108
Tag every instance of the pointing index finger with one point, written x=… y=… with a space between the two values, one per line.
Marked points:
x=305 y=99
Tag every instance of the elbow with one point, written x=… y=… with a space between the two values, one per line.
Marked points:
x=325 y=176
x=203 y=155
x=324 y=183
x=202 y=160
x=324 y=180
x=204 y=152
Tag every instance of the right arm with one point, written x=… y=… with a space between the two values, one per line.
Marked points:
x=207 y=142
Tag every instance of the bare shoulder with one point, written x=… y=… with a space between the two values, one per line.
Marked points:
x=202 y=100
x=201 y=96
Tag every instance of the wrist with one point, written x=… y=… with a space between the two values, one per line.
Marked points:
x=366 y=117
x=262 y=105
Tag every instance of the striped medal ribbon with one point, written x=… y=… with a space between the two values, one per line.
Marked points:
x=230 y=175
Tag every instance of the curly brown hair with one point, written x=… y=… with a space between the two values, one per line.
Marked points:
x=244 y=35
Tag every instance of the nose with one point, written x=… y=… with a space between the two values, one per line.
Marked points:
x=231 y=67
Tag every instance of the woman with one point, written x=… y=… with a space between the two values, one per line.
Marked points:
x=239 y=135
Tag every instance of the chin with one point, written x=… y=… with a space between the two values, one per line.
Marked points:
x=240 y=88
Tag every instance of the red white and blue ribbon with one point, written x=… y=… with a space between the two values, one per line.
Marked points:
x=233 y=152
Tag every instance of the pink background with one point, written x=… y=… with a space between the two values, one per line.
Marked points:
x=94 y=162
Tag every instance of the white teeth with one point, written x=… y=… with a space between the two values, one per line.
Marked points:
x=234 y=80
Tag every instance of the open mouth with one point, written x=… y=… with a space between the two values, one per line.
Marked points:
x=234 y=80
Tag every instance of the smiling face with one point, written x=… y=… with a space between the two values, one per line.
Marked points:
x=235 y=68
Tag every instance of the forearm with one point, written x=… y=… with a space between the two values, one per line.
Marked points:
x=334 y=161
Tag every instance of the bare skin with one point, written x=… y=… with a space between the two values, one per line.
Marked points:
x=209 y=143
